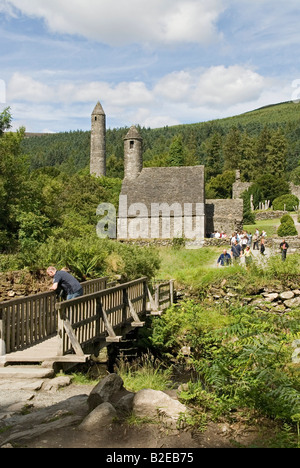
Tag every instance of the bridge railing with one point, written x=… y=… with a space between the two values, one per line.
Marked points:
x=164 y=294
x=29 y=320
x=83 y=320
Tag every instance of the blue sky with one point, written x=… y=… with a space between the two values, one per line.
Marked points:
x=157 y=63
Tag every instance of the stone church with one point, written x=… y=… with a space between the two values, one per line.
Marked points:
x=161 y=202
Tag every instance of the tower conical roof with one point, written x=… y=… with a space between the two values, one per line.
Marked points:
x=98 y=109
x=133 y=134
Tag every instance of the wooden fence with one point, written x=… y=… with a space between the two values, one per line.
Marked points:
x=83 y=320
x=30 y=320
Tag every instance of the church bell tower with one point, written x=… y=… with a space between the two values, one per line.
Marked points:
x=98 y=142
x=133 y=154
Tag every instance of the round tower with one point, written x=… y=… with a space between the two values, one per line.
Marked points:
x=98 y=142
x=133 y=154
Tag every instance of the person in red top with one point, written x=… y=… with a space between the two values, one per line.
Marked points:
x=284 y=247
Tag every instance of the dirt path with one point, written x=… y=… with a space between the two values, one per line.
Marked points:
x=295 y=218
x=36 y=418
x=258 y=257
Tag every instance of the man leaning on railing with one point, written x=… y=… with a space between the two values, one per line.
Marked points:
x=65 y=282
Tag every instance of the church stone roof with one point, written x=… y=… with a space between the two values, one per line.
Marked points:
x=133 y=134
x=98 y=109
x=166 y=185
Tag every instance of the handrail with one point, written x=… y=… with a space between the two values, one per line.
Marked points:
x=164 y=294
x=98 y=314
x=31 y=319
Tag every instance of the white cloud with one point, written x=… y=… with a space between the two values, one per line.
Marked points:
x=226 y=86
x=216 y=87
x=175 y=86
x=120 y=22
x=25 y=88
x=181 y=97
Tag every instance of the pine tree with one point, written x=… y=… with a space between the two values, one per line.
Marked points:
x=277 y=154
x=262 y=143
x=213 y=155
x=248 y=158
x=176 y=153
x=231 y=150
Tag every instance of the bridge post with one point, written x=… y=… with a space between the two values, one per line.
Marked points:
x=125 y=305
x=99 y=316
x=145 y=294
x=2 y=341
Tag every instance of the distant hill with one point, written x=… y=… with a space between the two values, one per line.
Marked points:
x=69 y=151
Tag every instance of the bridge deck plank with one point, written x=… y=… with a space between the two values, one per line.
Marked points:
x=45 y=351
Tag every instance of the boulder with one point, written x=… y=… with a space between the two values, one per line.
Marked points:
x=54 y=385
x=152 y=404
x=271 y=297
x=279 y=308
x=287 y=295
x=98 y=419
x=295 y=302
x=125 y=404
x=108 y=389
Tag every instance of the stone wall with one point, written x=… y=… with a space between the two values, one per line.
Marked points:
x=239 y=187
x=148 y=242
x=262 y=215
x=189 y=227
x=221 y=215
x=224 y=215
x=295 y=190
x=275 y=300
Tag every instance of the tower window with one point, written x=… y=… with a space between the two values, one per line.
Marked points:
x=131 y=144
x=96 y=119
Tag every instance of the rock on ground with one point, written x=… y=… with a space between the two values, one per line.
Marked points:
x=100 y=417
x=110 y=389
x=153 y=404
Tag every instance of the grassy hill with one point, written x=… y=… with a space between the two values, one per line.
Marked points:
x=275 y=114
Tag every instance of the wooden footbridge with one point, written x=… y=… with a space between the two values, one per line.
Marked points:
x=39 y=328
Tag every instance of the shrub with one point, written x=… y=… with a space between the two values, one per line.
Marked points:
x=241 y=357
x=145 y=372
x=90 y=257
x=288 y=202
x=287 y=229
x=248 y=216
x=286 y=219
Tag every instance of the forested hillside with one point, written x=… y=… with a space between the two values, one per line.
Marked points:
x=248 y=141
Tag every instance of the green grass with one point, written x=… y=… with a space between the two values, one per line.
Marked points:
x=146 y=372
x=196 y=270
x=83 y=379
x=187 y=266
x=268 y=225
x=191 y=266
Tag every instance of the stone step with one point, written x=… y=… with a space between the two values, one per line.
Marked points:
x=25 y=372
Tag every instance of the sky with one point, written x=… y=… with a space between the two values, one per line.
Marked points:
x=150 y=63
